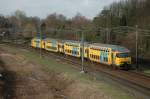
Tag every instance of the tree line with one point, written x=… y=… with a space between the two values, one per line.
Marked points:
x=125 y=14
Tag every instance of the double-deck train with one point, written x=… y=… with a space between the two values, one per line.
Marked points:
x=111 y=55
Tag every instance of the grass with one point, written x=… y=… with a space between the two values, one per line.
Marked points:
x=147 y=71
x=49 y=64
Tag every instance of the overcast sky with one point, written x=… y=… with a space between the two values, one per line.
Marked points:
x=42 y=8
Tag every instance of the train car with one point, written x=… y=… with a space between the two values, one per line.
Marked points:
x=99 y=53
x=72 y=48
x=36 y=42
x=51 y=44
x=110 y=55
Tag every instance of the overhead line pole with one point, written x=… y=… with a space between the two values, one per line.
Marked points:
x=40 y=40
x=82 y=42
x=137 y=67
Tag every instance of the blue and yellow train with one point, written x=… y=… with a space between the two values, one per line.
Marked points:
x=112 y=55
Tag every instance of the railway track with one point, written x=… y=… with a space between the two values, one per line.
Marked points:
x=134 y=80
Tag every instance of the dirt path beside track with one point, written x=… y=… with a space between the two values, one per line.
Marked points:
x=25 y=80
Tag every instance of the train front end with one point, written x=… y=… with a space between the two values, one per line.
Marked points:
x=123 y=60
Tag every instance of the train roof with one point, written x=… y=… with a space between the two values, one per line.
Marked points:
x=72 y=42
x=48 y=39
x=39 y=37
x=113 y=47
x=52 y=39
x=36 y=39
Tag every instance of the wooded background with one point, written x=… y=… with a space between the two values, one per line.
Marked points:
x=117 y=23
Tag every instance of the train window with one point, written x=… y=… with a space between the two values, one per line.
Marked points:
x=104 y=59
x=86 y=51
x=122 y=55
x=94 y=56
x=75 y=52
x=97 y=57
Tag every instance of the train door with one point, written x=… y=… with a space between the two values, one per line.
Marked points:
x=37 y=43
x=62 y=48
x=74 y=51
x=59 y=47
x=101 y=56
x=80 y=51
x=106 y=56
x=44 y=44
x=87 y=52
x=113 y=58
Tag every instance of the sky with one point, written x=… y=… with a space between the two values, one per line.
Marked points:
x=42 y=8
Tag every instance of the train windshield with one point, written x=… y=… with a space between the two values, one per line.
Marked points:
x=123 y=55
